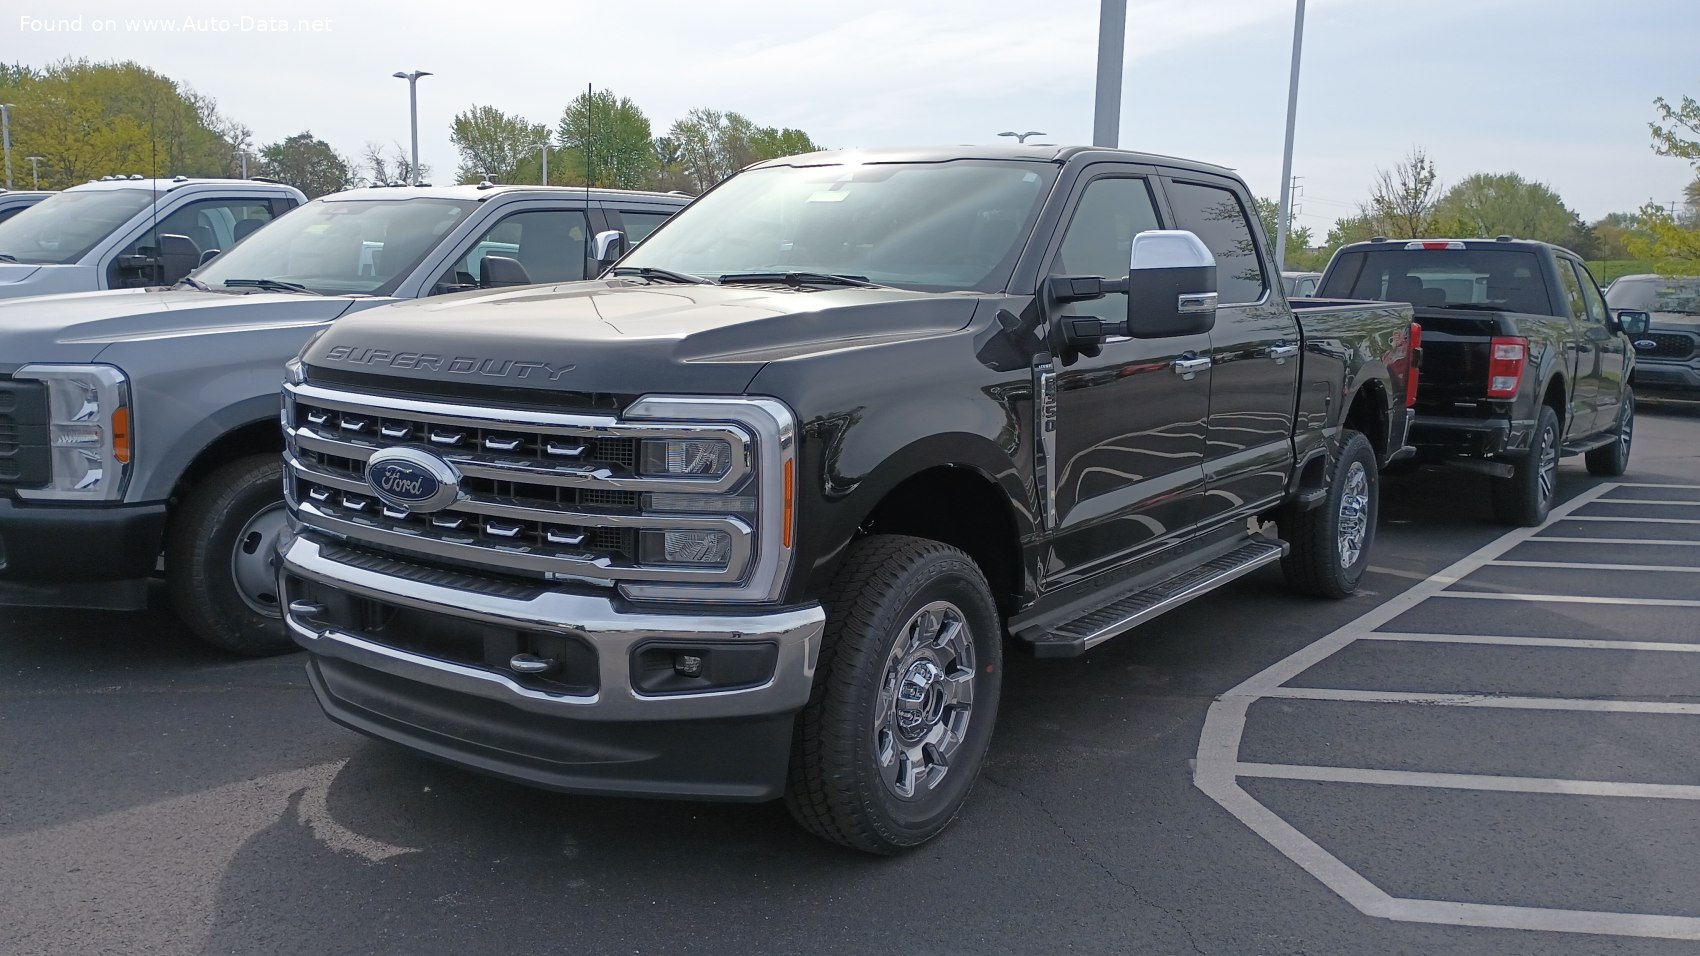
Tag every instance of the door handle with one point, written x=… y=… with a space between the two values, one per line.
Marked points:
x=1186 y=368
x=1282 y=351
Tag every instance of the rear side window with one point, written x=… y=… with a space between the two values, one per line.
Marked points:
x=1216 y=216
x=1483 y=280
x=640 y=224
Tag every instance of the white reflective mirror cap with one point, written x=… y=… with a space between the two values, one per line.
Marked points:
x=1169 y=249
x=606 y=244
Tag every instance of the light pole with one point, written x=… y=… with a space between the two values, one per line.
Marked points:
x=1283 y=213
x=544 y=146
x=35 y=170
x=1021 y=137
x=1112 y=49
x=413 y=113
x=6 y=138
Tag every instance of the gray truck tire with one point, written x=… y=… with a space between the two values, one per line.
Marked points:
x=218 y=552
x=1330 y=544
x=1610 y=461
x=905 y=696
x=1525 y=498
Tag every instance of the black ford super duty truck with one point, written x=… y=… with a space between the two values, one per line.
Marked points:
x=1522 y=362
x=753 y=514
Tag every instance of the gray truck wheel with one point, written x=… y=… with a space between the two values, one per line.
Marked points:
x=1330 y=543
x=1609 y=461
x=906 y=692
x=1525 y=498
x=218 y=557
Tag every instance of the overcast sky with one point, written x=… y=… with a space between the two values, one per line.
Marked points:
x=1557 y=90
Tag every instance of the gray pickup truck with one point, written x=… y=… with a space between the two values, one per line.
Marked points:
x=118 y=233
x=14 y=201
x=754 y=514
x=143 y=422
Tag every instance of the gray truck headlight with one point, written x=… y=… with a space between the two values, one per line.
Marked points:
x=88 y=429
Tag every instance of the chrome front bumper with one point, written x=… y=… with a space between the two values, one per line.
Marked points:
x=614 y=636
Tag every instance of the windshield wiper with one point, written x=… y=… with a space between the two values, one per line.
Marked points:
x=193 y=283
x=801 y=278
x=7 y=257
x=664 y=275
x=270 y=285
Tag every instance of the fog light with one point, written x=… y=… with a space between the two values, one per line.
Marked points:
x=710 y=458
x=687 y=665
x=713 y=548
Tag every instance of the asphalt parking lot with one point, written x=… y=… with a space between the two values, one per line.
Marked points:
x=1490 y=749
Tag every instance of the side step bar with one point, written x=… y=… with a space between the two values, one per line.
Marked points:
x=1076 y=637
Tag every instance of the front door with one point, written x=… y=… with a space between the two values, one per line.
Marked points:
x=1129 y=458
x=1255 y=353
x=1610 y=351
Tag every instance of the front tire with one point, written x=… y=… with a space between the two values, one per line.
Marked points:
x=906 y=693
x=219 y=557
x=1610 y=461
x=1330 y=544
x=1527 y=495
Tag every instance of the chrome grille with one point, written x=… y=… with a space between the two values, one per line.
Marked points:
x=553 y=496
x=1666 y=345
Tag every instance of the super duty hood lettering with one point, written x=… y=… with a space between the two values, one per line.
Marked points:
x=453 y=364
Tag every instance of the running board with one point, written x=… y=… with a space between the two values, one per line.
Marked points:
x=1589 y=444
x=1076 y=637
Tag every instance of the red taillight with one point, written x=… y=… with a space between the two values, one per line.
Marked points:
x=1413 y=365
x=1505 y=366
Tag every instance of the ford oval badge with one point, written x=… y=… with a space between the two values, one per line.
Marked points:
x=412 y=479
x=1644 y=344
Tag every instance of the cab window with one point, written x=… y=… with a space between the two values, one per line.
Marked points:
x=1216 y=217
x=551 y=245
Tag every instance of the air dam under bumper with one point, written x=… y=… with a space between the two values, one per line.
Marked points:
x=408 y=654
x=80 y=555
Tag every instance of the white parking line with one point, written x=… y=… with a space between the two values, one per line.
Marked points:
x=1567 y=599
x=1580 y=566
x=1495 y=639
x=1218 y=769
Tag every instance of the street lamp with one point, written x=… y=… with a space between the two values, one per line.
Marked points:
x=1284 y=210
x=35 y=169
x=6 y=138
x=544 y=146
x=413 y=112
x=1021 y=137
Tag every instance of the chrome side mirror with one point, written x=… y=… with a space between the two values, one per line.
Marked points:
x=1171 y=285
x=607 y=247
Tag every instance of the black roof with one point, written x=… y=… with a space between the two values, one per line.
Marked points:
x=996 y=151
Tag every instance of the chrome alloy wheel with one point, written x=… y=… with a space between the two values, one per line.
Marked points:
x=1626 y=428
x=1353 y=526
x=252 y=562
x=926 y=698
x=1548 y=474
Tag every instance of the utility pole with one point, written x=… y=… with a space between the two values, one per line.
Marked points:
x=544 y=146
x=413 y=114
x=35 y=169
x=6 y=138
x=1112 y=50
x=1283 y=212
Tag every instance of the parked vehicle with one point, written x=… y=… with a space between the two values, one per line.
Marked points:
x=142 y=421
x=118 y=233
x=13 y=202
x=1667 y=354
x=1299 y=285
x=1522 y=360
x=753 y=514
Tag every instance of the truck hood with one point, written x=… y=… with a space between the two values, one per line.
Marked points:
x=11 y=272
x=1675 y=322
x=77 y=327
x=623 y=337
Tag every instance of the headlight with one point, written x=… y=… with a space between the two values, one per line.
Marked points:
x=88 y=431
x=667 y=458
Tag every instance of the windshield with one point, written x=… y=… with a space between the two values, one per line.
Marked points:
x=1664 y=294
x=930 y=226
x=63 y=227
x=1504 y=280
x=342 y=247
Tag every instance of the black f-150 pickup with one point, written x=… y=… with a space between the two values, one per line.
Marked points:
x=753 y=514
x=1522 y=361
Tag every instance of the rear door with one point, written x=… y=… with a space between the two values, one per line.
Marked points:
x=1129 y=460
x=1254 y=350
x=1610 y=350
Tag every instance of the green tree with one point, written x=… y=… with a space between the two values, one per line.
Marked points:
x=1672 y=249
x=307 y=163
x=497 y=144
x=1402 y=201
x=1298 y=236
x=713 y=145
x=1611 y=235
x=1674 y=125
x=608 y=139
x=380 y=168
x=1485 y=205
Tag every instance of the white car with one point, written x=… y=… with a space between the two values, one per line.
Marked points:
x=119 y=233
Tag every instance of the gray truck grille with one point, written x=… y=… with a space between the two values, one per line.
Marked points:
x=539 y=495
x=1676 y=346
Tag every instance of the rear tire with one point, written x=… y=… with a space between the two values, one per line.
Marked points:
x=1610 y=461
x=219 y=557
x=1330 y=543
x=905 y=696
x=1525 y=498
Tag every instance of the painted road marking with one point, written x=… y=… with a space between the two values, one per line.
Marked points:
x=1566 y=599
x=1503 y=563
x=1218 y=769
x=1563 y=540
